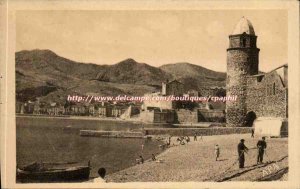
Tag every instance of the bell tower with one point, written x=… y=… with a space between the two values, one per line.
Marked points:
x=242 y=61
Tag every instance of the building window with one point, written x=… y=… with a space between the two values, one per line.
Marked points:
x=273 y=89
x=243 y=42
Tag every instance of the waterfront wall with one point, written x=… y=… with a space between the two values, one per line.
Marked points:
x=157 y=116
x=146 y=116
x=199 y=131
x=211 y=115
x=187 y=116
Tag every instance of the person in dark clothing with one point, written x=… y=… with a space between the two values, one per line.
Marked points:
x=241 y=152
x=101 y=173
x=252 y=133
x=195 y=137
x=170 y=140
x=187 y=139
x=153 y=157
x=261 y=146
x=142 y=159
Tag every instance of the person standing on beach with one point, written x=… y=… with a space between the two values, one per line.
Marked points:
x=217 y=151
x=195 y=137
x=142 y=159
x=153 y=157
x=241 y=152
x=261 y=146
x=187 y=139
x=252 y=133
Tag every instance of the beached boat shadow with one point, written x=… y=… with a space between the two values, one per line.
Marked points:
x=222 y=159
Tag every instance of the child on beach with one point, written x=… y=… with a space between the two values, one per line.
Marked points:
x=153 y=157
x=217 y=151
x=142 y=159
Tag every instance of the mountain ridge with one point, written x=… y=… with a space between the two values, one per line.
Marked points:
x=38 y=70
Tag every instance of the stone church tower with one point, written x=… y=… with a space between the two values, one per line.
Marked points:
x=242 y=61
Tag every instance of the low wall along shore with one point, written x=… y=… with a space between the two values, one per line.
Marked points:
x=199 y=131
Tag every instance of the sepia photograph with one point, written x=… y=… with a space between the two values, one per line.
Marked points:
x=106 y=96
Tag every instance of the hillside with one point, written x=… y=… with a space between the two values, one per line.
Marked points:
x=195 y=76
x=42 y=73
x=129 y=71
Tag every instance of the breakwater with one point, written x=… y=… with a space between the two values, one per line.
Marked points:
x=112 y=134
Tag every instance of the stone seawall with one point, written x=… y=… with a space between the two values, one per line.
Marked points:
x=185 y=116
x=199 y=131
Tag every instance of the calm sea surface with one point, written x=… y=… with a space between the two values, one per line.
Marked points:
x=58 y=140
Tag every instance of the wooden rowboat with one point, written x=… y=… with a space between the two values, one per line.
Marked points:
x=52 y=173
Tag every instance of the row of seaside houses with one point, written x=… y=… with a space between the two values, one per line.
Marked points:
x=56 y=109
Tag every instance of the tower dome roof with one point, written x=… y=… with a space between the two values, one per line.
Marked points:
x=243 y=26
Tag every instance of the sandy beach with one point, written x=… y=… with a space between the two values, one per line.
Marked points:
x=195 y=161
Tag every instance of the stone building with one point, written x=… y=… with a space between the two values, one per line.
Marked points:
x=158 y=116
x=105 y=111
x=174 y=87
x=118 y=110
x=212 y=91
x=159 y=103
x=258 y=95
x=267 y=94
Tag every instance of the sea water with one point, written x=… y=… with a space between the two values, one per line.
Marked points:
x=58 y=140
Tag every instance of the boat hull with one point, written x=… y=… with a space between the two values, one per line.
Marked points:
x=69 y=174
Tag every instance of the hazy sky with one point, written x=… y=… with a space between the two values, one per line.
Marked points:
x=153 y=37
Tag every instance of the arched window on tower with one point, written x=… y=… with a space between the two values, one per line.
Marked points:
x=244 y=42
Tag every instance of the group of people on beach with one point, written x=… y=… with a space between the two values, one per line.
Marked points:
x=183 y=140
x=242 y=149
